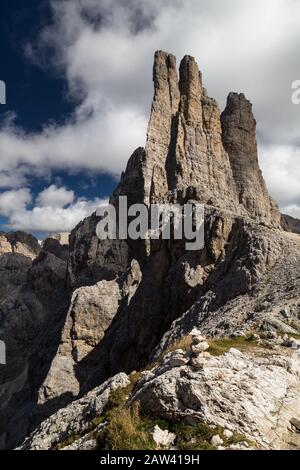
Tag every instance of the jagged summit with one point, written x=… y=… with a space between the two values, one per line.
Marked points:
x=239 y=141
x=190 y=145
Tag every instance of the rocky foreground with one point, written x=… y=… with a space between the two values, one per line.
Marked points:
x=141 y=344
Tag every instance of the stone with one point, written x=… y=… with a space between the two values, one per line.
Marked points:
x=91 y=311
x=163 y=438
x=216 y=440
x=227 y=433
x=205 y=354
x=19 y=242
x=196 y=339
x=61 y=237
x=290 y=224
x=285 y=312
x=255 y=337
x=199 y=347
x=238 y=334
x=293 y=343
x=178 y=359
x=295 y=422
x=198 y=362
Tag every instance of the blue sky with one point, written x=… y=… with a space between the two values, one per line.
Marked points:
x=38 y=96
x=79 y=89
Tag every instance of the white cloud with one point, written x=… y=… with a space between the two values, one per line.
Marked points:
x=14 y=201
x=53 y=219
x=55 y=197
x=281 y=164
x=54 y=209
x=105 y=52
x=292 y=210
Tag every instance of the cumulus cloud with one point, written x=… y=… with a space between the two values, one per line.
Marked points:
x=282 y=165
x=14 y=201
x=54 y=209
x=53 y=219
x=105 y=51
x=55 y=197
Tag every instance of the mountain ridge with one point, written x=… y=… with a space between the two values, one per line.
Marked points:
x=81 y=315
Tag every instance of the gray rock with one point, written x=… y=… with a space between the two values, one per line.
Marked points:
x=249 y=394
x=227 y=433
x=216 y=440
x=163 y=438
x=75 y=418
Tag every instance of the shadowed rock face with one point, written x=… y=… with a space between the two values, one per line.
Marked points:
x=32 y=307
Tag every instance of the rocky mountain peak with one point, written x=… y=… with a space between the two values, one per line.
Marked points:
x=19 y=243
x=239 y=141
x=80 y=313
x=190 y=86
x=191 y=145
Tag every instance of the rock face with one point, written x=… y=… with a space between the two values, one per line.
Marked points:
x=78 y=315
x=91 y=312
x=32 y=308
x=239 y=140
x=90 y=259
x=290 y=224
x=75 y=418
x=19 y=242
x=256 y=396
x=184 y=147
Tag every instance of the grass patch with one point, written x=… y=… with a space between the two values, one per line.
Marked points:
x=292 y=335
x=220 y=346
x=198 y=436
x=67 y=441
x=195 y=437
x=116 y=401
x=118 y=397
x=182 y=343
x=125 y=431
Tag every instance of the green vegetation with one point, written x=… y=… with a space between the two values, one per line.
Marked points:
x=220 y=346
x=198 y=436
x=116 y=401
x=125 y=431
x=292 y=335
x=68 y=441
x=195 y=437
x=118 y=397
